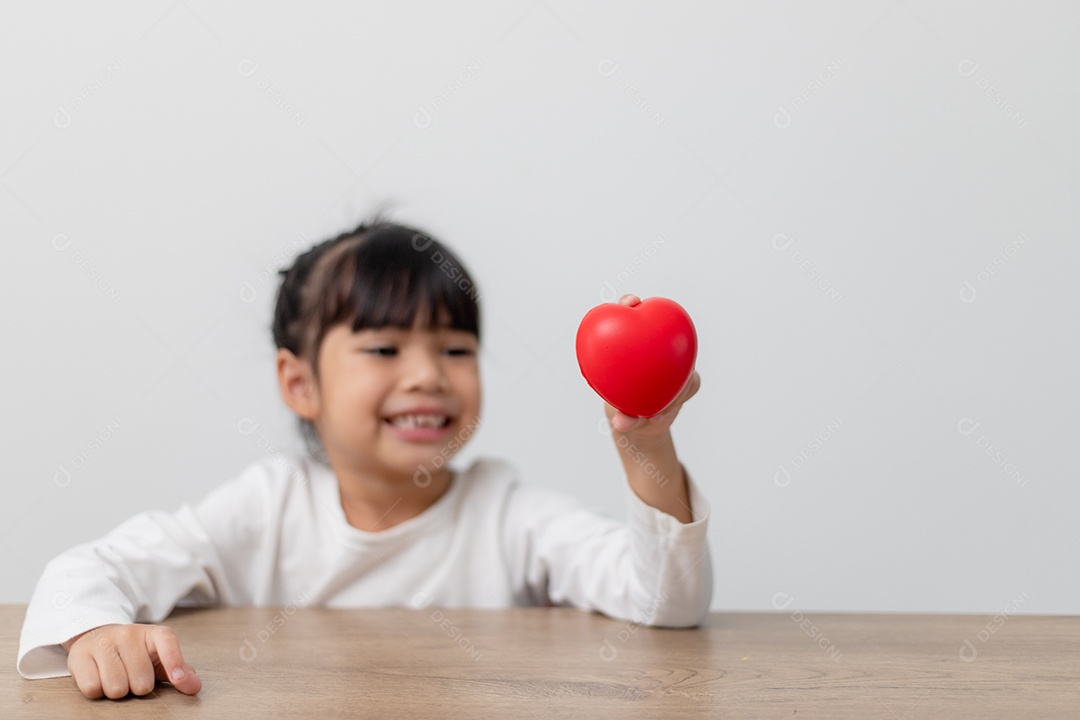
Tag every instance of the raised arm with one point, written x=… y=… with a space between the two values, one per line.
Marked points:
x=647 y=451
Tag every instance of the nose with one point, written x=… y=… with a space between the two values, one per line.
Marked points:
x=423 y=370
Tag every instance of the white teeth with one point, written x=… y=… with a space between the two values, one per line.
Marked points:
x=410 y=422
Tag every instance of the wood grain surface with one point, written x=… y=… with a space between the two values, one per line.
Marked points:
x=557 y=662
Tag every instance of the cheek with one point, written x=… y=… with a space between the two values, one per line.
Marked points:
x=467 y=384
x=355 y=396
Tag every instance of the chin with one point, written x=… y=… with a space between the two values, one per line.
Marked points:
x=423 y=473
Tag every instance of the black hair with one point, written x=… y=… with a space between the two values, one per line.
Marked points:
x=379 y=274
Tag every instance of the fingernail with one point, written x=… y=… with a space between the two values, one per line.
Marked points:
x=179 y=674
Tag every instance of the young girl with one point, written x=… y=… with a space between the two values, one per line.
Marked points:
x=377 y=333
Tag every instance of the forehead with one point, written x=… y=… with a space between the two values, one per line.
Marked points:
x=418 y=330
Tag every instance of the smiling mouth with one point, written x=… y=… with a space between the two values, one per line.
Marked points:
x=413 y=422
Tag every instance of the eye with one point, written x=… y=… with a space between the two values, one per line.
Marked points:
x=460 y=351
x=382 y=351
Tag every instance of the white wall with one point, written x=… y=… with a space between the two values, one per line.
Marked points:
x=867 y=209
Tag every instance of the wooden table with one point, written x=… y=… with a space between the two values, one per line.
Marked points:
x=542 y=663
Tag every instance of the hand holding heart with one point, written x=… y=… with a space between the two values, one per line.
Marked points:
x=664 y=337
x=656 y=425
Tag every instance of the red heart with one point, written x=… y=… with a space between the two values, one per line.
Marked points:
x=638 y=357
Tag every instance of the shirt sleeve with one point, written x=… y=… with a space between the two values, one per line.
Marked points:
x=139 y=572
x=651 y=570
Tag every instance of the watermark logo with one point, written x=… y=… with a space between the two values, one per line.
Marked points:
x=62 y=476
x=782 y=477
x=423 y=118
x=422 y=600
x=967 y=68
x=247 y=67
x=781 y=242
x=782 y=118
x=609 y=292
x=782 y=601
x=967 y=426
x=968 y=650
x=249 y=289
x=632 y=451
x=63 y=117
x=968 y=292
x=247 y=427
x=248 y=650
x=609 y=650
x=422 y=477
x=61 y=242
x=607 y=68
x=421 y=243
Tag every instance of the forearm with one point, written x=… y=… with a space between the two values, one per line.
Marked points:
x=135 y=574
x=654 y=473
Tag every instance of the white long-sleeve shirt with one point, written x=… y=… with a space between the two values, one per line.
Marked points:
x=277 y=535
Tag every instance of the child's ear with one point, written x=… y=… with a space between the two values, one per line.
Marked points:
x=297 y=383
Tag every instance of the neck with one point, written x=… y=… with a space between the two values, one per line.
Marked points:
x=374 y=502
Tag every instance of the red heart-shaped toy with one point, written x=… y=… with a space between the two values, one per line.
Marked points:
x=638 y=358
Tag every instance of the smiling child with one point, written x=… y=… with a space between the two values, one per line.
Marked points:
x=377 y=334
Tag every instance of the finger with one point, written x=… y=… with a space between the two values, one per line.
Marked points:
x=163 y=645
x=193 y=684
x=629 y=300
x=190 y=685
x=114 y=680
x=692 y=386
x=139 y=667
x=85 y=674
x=625 y=423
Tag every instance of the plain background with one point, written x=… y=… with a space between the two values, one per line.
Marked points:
x=868 y=208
